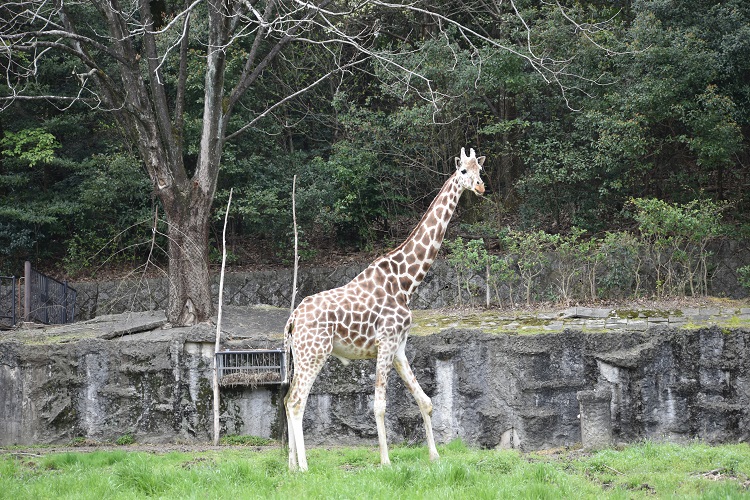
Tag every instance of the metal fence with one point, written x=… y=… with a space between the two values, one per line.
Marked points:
x=47 y=300
x=8 y=301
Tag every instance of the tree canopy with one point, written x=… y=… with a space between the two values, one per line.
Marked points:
x=115 y=111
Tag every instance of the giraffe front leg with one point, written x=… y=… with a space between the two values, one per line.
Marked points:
x=423 y=400
x=384 y=363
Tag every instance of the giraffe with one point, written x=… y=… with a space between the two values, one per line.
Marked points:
x=369 y=317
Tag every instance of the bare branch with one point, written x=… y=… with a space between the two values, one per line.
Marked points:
x=289 y=97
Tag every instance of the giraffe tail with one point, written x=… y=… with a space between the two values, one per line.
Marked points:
x=284 y=392
x=288 y=339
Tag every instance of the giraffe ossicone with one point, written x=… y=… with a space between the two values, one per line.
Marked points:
x=369 y=317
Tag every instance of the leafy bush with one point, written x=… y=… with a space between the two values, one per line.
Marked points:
x=467 y=259
x=676 y=237
x=531 y=252
x=667 y=256
x=619 y=253
x=743 y=276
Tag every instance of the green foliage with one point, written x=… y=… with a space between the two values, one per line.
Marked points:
x=695 y=221
x=472 y=262
x=361 y=191
x=63 y=200
x=676 y=237
x=666 y=120
x=31 y=146
x=620 y=254
x=466 y=258
x=113 y=219
x=743 y=276
x=715 y=137
x=667 y=127
x=531 y=252
x=668 y=256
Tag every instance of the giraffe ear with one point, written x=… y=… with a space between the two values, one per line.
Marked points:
x=458 y=162
x=480 y=161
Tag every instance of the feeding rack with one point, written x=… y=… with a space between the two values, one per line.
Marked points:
x=252 y=368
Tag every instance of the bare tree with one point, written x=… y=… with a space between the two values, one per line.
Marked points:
x=134 y=58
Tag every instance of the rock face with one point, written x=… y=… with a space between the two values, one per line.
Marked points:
x=491 y=390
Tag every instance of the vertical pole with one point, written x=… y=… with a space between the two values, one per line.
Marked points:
x=13 y=281
x=296 y=244
x=46 y=297
x=27 y=291
x=217 y=346
x=487 y=284
x=287 y=352
x=65 y=303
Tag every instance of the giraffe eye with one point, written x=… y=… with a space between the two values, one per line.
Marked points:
x=463 y=170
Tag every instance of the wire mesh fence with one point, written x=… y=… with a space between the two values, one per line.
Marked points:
x=8 y=301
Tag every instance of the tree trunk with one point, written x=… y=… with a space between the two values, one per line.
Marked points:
x=190 y=299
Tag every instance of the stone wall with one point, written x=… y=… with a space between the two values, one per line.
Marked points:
x=491 y=390
x=274 y=287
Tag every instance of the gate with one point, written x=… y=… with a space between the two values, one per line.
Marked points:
x=47 y=300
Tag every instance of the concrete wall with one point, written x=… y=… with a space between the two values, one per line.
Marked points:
x=489 y=390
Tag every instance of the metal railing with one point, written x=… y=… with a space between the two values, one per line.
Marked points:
x=47 y=300
x=8 y=301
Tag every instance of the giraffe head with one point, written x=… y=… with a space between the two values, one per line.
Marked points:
x=468 y=170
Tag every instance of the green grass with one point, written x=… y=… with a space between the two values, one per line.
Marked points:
x=125 y=440
x=639 y=471
x=241 y=440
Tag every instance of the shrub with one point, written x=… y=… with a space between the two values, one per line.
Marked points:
x=676 y=237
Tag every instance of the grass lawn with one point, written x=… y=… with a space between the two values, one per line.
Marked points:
x=643 y=470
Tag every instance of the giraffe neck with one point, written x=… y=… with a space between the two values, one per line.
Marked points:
x=416 y=254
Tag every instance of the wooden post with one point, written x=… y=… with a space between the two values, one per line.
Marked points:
x=296 y=253
x=27 y=291
x=217 y=346
x=487 y=285
x=287 y=353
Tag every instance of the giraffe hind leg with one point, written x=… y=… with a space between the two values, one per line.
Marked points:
x=290 y=433
x=306 y=369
